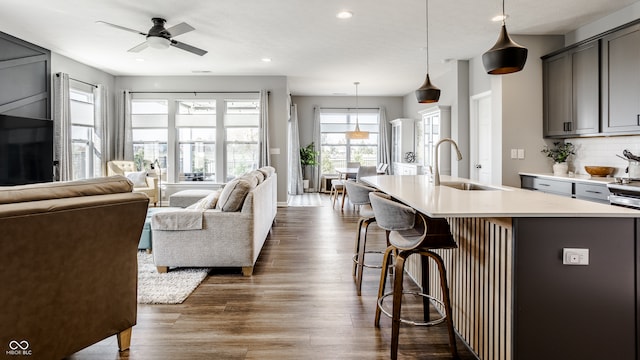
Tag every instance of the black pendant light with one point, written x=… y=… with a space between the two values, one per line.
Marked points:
x=427 y=93
x=506 y=56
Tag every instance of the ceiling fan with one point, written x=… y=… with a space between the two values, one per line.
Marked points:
x=161 y=38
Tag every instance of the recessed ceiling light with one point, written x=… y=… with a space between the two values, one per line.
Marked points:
x=345 y=14
x=140 y=59
x=499 y=17
x=266 y=59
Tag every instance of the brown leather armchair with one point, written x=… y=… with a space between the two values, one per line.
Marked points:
x=69 y=265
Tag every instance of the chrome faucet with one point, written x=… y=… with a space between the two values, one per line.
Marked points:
x=436 y=172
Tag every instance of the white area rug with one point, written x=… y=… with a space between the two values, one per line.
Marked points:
x=170 y=288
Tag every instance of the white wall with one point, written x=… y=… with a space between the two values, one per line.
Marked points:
x=620 y=17
x=454 y=92
x=89 y=75
x=522 y=110
x=278 y=100
x=392 y=104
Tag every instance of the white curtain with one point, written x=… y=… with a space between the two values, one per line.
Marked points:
x=102 y=141
x=295 y=170
x=62 y=127
x=264 y=160
x=384 y=151
x=315 y=179
x=124 y=136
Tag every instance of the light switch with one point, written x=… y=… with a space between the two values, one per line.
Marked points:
x=514 y=153
x=520 y=153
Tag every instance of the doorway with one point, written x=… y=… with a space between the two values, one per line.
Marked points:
x=481 y=138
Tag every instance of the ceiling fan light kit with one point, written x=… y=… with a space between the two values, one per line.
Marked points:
x=506 y=56
x=427 y=93
x=160 y=38
x=158 y=42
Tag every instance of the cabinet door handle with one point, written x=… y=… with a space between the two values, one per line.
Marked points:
x=638 y=119
x=543 y=184
x=593 y=192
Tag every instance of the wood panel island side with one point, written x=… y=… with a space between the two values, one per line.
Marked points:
x=512 y=296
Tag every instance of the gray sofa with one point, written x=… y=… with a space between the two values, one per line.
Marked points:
x=222 y=236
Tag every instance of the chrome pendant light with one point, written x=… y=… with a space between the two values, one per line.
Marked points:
x=357 y=134
x=506 y=56
x=427 y=93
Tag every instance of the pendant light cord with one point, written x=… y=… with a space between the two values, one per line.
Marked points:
x=504 y=17
x=356 y=84
x=427 y=31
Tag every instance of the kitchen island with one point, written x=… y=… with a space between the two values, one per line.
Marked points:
x=513 y=294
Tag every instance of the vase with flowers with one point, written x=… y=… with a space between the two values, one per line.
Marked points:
x=560 y=154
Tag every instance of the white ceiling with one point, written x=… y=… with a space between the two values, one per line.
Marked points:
x=382 y=46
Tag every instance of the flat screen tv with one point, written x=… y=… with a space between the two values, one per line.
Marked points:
x=26 y=150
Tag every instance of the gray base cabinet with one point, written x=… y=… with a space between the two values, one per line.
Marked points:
x=567 y=187
x=575 y=311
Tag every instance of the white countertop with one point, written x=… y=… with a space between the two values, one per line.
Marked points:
x=576 y=178
x=419 y=192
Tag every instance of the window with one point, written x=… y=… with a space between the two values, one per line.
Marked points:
x=196 y=128
x=86 y=158
x=196 y=137
x=336 y=150
x=149 y=123
x=241 y=124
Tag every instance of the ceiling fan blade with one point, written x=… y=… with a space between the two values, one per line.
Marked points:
x=189 y=48
x=180 y=29
x=139 y=47
x=121 y=27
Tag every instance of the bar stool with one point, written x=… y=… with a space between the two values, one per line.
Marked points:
x=359 y=196
x=410 y=232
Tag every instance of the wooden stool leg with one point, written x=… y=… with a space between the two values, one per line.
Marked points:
x=383 y=281
x=397 y=302
x=361 y=253
x=356 y=248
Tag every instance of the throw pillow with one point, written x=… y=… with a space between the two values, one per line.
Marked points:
x=207 y=202
x=250 y=179
x=259 y=175
x=138 y=178
x=233 y=195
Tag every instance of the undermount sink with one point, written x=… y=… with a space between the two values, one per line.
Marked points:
x=468 y=186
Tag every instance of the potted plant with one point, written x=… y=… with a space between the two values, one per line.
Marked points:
x=560 y=153
x=308 y=157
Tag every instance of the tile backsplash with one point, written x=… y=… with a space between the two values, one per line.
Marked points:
x=601 y=151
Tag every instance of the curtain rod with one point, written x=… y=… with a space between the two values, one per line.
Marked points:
x=80 y=81
x=196 y=92
x=349 y=108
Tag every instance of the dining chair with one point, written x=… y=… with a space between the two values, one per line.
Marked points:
x=362 y=172
x=337 y=185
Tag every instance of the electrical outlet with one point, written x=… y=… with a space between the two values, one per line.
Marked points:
x=520 y=153
x=571 y=256
x=514 y=153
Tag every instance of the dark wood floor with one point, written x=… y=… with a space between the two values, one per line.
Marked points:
x=301 y=303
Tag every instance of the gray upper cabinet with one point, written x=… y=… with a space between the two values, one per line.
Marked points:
x=571 y=91
x=621 y=81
